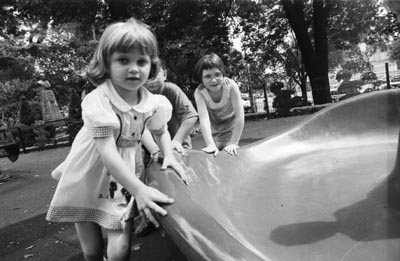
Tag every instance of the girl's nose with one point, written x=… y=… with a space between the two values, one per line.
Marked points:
x=133 y=68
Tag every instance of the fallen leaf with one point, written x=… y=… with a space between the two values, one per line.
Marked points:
x=29 y=247
x=136 y=247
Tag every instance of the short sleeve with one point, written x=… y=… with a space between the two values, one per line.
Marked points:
x=158 y=122
x=98 y=115
x=182 y=106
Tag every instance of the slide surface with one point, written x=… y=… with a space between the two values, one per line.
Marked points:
x=326 y=189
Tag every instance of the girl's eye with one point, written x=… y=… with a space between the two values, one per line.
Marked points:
x=143 y=62
x=123 y=60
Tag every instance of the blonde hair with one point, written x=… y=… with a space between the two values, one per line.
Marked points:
x=122 y=37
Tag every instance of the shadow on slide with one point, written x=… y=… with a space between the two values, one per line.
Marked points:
x=328 y=189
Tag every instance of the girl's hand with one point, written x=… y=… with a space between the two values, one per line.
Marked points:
x=231 y=149
x=147 y=199
x=176 y=145
x=173 y=163
x=211 y=150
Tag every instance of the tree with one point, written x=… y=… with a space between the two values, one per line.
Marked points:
x=315 y=58
x=187 y=31
x=269 y=43
x=319 y=27
x=333 y=20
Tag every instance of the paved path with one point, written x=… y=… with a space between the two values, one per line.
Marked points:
x=24 y=199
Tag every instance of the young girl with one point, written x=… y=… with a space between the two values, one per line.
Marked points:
x=103 y=167
x=219 y=105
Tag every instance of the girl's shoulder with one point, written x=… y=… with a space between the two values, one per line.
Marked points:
x=200 y=87
x=229 y=83
x=95 y=98
x=151 y=102
x=97 y=110
x=161 y=114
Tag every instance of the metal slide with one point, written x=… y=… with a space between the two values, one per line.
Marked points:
x=328 y=189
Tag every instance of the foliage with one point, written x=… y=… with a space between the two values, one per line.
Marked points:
x=263 y=32
x=352 y=59
x=320 y=27
x=369 y=76
x=343 y=74
x=395 y=51
x=54 y=39
x=186 y=31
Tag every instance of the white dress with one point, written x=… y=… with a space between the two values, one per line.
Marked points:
x=86 y=191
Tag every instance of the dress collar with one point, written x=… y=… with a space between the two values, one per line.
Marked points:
x=147 y=102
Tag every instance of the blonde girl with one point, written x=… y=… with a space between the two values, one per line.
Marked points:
x=100 y=178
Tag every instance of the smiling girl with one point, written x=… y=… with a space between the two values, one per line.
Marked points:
x=219 y=105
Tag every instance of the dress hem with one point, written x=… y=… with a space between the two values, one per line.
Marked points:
x=77 y=214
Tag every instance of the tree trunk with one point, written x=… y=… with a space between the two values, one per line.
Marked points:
x=303 y=88
x=315 y=59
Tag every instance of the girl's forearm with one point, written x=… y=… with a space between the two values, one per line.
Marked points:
x=185 y=128
x=206 y=132
x=116 y=166
x=148 y=142
x=237 y=131
x=164 y=142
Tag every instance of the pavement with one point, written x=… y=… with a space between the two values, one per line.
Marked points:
x=24 y=199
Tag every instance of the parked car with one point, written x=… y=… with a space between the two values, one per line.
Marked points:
x=369 y=87
x=246 y=104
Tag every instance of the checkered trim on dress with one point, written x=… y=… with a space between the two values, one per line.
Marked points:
x=125 y=143
x=75 y=214
x=101 y=132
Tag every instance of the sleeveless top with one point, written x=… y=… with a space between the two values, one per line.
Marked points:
x=221 y=113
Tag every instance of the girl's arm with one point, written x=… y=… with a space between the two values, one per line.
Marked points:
x=146 y=197
x=149 y=143
x=205 y=124
x=164 y=142
x=238 y=109
x=183 y=131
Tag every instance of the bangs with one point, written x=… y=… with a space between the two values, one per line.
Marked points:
x=209 y=65
x=127 y=36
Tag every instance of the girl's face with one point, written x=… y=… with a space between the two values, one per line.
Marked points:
x=129 y=70
x=212 y=79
